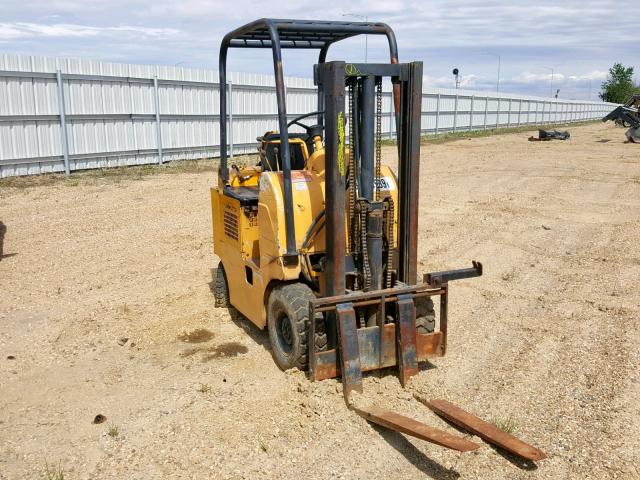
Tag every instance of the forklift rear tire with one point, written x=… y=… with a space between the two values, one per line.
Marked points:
x=287 y=321
x=221 y=288
x=425 y=315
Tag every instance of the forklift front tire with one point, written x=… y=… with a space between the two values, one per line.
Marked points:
x=287 y=320
x=425 y=315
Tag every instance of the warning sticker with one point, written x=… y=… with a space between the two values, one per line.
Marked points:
x=300 y=176
x=385 y=183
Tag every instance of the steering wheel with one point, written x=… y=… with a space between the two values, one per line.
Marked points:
x=296 y=121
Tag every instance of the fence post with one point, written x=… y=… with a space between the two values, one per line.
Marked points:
x=455 y=113
x=230 y=103
x=509 y=115
x=519 y=110
x=486 y=107
x=158 y=126
x=64 y=136
x=437 y=113
x=473 y=97
x=498 y=112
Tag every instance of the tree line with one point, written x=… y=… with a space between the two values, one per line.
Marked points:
x=619 y=86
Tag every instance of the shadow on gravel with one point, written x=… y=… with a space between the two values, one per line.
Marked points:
x=521 y=463
x=3 y=232
x=414 y=456
x=424 y=366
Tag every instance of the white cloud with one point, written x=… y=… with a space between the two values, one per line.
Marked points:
x=558 y=77
x=593 y=75
x=529 y=77
x=581 y=37
x=18 y=30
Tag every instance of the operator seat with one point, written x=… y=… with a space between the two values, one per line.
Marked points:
x=272 y=150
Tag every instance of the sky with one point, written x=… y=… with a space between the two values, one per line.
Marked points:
x=542 y=46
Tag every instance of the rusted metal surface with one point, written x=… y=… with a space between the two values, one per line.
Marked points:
x=349 y=350
x=332 y=75
x=372 y=355
x=409 y=170
x=406 y=338
x=484 y=430
x=437 y=279
x=359 y=298
x=444 y=318
x=429 y=345
x=408 y=426
x=325 y=364
x=376 y=350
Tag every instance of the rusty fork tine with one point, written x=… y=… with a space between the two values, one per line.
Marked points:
x=400 y=423
x=484 y=430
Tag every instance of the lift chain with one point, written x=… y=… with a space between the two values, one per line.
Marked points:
x=352 y=171
x=366 y=270
x=378 y=136
x=390 y=225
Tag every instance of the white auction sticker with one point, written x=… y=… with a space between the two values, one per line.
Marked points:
x=385 y=183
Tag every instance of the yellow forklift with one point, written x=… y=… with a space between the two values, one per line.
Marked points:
x=318 y=241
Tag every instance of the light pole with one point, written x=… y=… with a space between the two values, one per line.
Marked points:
x=366 y=40
x=499 y=61
x=550 y=85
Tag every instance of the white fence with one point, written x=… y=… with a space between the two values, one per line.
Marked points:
x=61 y=115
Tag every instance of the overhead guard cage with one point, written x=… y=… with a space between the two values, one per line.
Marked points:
x=278 y=34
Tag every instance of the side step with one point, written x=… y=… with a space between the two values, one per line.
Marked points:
x=482 y=429
x=409 y=426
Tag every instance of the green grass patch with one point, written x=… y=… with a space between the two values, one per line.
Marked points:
x=506 y=424
x=52 y=473
x=204 y=388
x=113 y=430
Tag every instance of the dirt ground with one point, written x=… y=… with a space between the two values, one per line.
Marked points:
x=547 y=340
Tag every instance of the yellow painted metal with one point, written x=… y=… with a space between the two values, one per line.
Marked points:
x=251 y=242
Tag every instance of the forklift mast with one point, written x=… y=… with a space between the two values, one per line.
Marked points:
x=358 y=176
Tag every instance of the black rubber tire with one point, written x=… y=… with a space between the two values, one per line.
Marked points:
x=425 y=315
x=221 y=288
x=288 y=324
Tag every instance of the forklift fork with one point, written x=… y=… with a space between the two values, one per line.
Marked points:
x=386 y=344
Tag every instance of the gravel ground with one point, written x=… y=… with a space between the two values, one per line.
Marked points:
x=106 y=308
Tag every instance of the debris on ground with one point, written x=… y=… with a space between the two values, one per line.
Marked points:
x=546 y=135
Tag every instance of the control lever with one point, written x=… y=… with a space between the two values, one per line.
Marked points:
x=242 y=178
